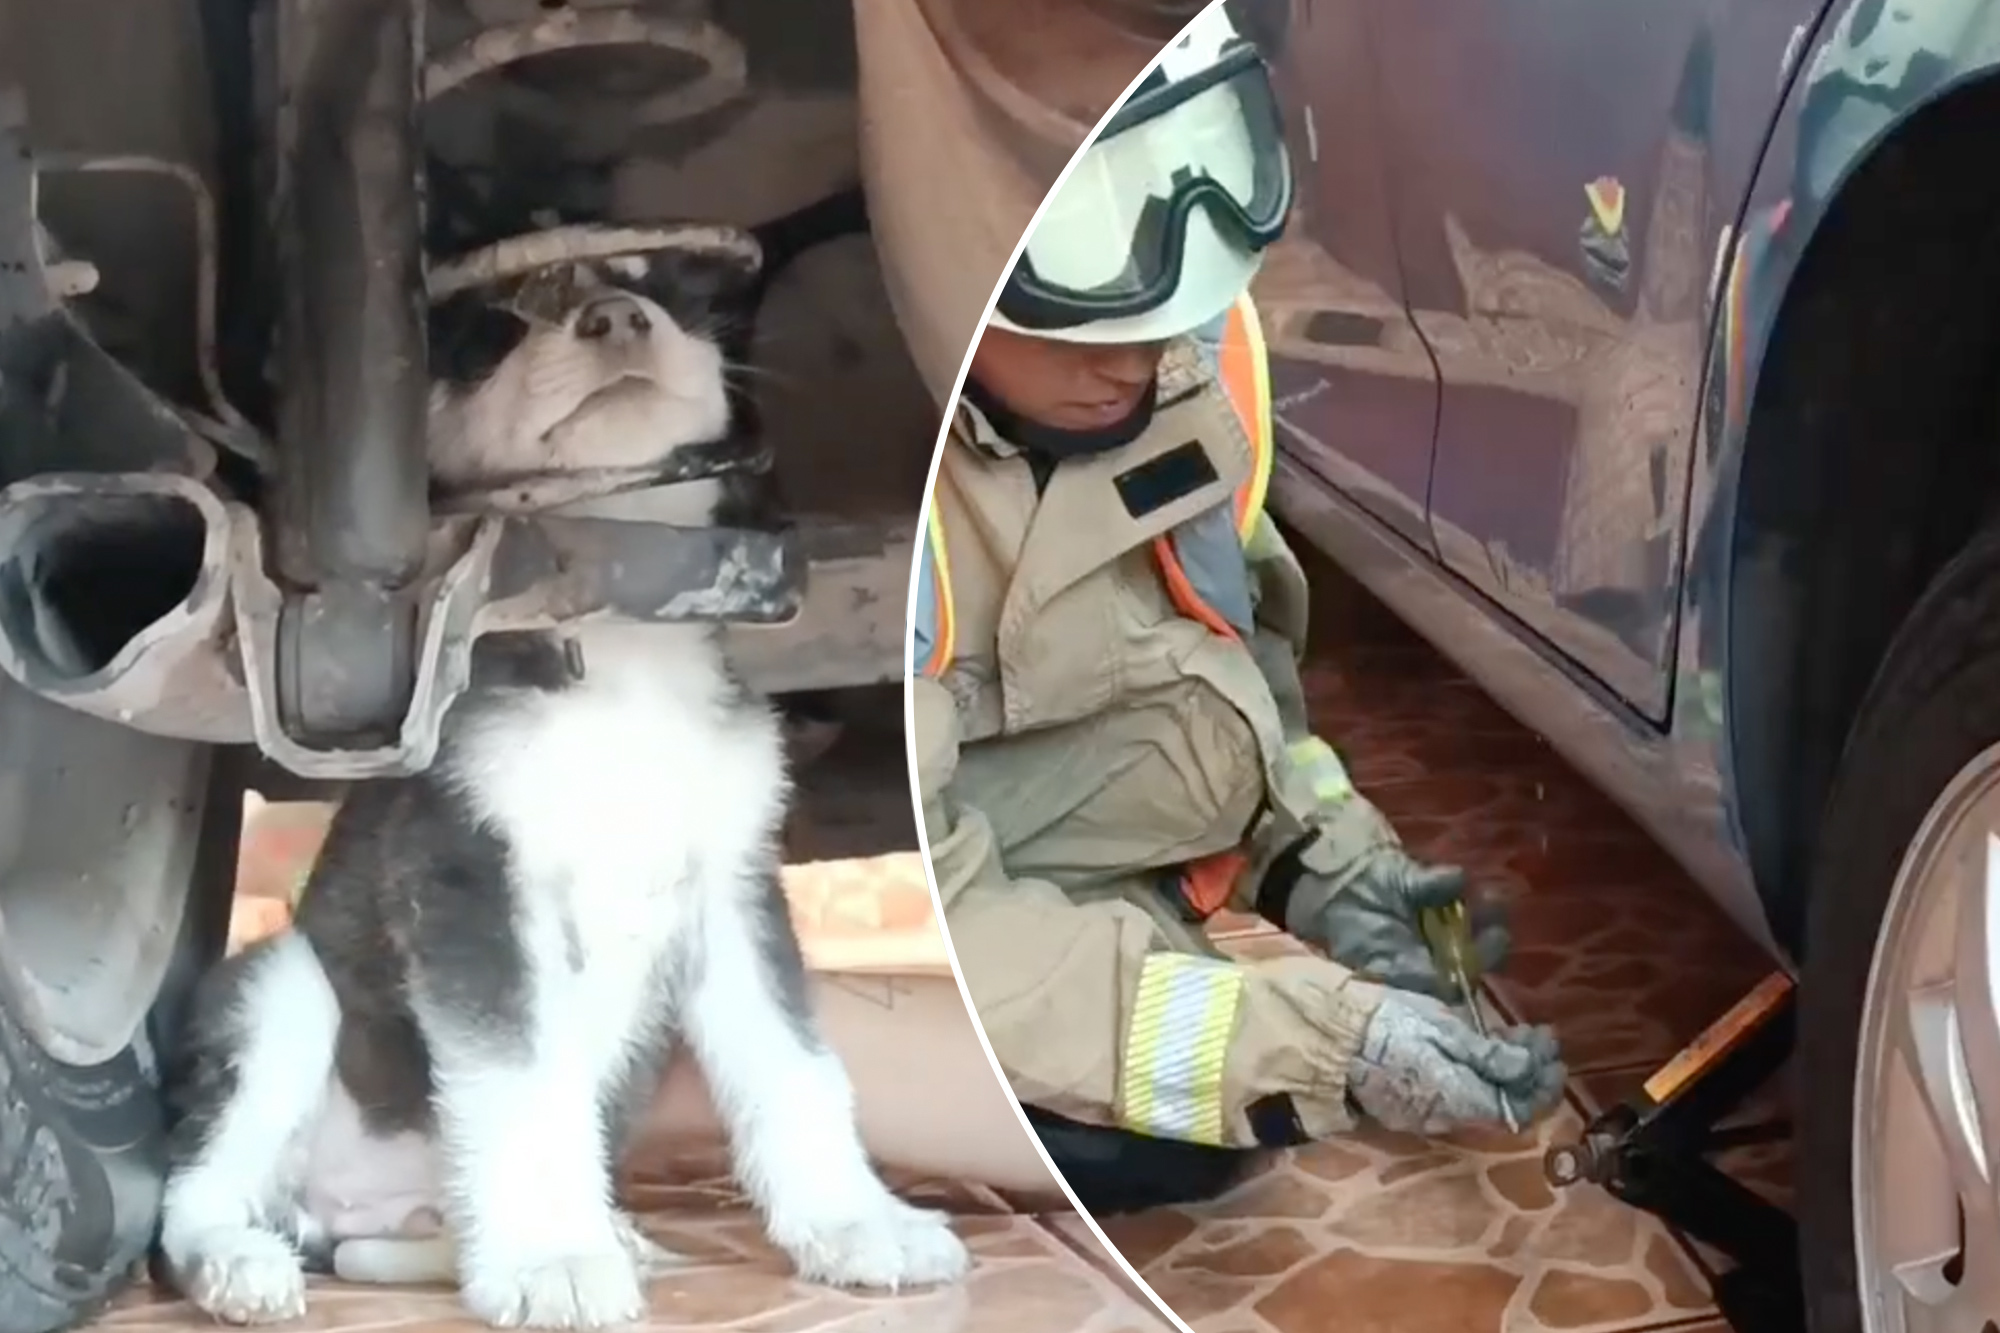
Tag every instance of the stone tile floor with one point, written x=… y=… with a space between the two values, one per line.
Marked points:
x=1615 y=947
x=1031 y=1275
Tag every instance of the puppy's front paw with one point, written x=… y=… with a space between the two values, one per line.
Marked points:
x=583 y=1291
x=885 y=1243
x=244 y=1276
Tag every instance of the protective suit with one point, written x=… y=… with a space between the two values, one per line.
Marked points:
x=1094 y=715
x=1110 y=735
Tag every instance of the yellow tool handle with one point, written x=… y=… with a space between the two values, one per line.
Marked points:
x=1448 y=933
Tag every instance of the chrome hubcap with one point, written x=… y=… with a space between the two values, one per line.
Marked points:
x=1927 y=1085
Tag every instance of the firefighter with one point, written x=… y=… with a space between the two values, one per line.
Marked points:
x=1110 y=733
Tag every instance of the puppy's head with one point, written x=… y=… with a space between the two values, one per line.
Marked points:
x=600 y=365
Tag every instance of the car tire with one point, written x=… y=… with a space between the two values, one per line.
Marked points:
x=83 y=1147
x=1933 y=708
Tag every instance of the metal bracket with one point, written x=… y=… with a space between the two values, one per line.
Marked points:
x=66 y=405
x=1653 y=1153
x=517 y=574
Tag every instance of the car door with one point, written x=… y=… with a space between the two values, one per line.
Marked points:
x=1558 y=206
x=1354 y=394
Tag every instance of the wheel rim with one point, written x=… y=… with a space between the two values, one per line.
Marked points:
x=1927 y=1083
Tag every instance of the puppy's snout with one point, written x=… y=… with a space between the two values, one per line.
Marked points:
x=613 y=319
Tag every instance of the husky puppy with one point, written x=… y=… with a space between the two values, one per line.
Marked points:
x=431 y=1076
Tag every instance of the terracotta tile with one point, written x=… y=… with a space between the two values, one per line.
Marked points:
x=1228 y=925
x=1381 y=1295
x=1261 y=944
x=1144 y=1237
x=961 y=1198
x=1034 y=1203
x=1441 y=1210
x=1267 y=1253
x=1465 y=1228
x=1522 y=1184
x=1071 y=1229
x=280 y=841
x=1024 y=1279
x=252 y=919
x=1562 y=1299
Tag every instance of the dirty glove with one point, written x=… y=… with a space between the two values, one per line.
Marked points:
x=1370 y=923
x=1422 y=1069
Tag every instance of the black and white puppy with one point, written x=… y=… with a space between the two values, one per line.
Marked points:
x=432 y=1075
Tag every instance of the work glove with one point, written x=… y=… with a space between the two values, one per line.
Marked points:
x=1370 y=924
x=1422 y=1069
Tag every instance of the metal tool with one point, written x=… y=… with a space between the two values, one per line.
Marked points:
x=1448 y=932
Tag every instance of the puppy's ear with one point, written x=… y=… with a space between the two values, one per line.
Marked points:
x=469 y=337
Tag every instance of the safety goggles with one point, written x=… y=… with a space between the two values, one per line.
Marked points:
x=1113 y=240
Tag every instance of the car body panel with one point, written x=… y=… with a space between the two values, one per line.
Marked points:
x=1564 y=170
x=1354 y=390
x=1800 y=94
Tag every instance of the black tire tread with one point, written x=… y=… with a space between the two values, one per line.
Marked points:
x=106 y=1123
x=1933 y=705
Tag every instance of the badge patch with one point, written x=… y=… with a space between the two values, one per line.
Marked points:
x=1158 y=482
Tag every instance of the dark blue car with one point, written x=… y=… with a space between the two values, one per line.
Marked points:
x=1642 y=357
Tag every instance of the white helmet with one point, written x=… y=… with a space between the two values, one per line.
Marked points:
x=1164 y=219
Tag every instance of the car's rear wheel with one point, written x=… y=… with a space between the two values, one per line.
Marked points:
x=117 y=853
x=1899 y=1037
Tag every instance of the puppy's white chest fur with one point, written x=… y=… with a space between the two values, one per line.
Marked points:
x=626 y=800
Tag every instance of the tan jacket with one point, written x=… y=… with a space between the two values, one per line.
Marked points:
x=1089 y=731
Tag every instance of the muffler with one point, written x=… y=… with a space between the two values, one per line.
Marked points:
x=115 y=601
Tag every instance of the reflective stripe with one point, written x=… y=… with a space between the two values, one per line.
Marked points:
x=1321 y=765
x=1175 y=1046
x=931 y=628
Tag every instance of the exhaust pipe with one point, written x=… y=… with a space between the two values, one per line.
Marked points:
x=115 y=601
x=142 y=598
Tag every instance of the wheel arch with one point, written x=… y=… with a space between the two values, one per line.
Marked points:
x=1860 y=471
